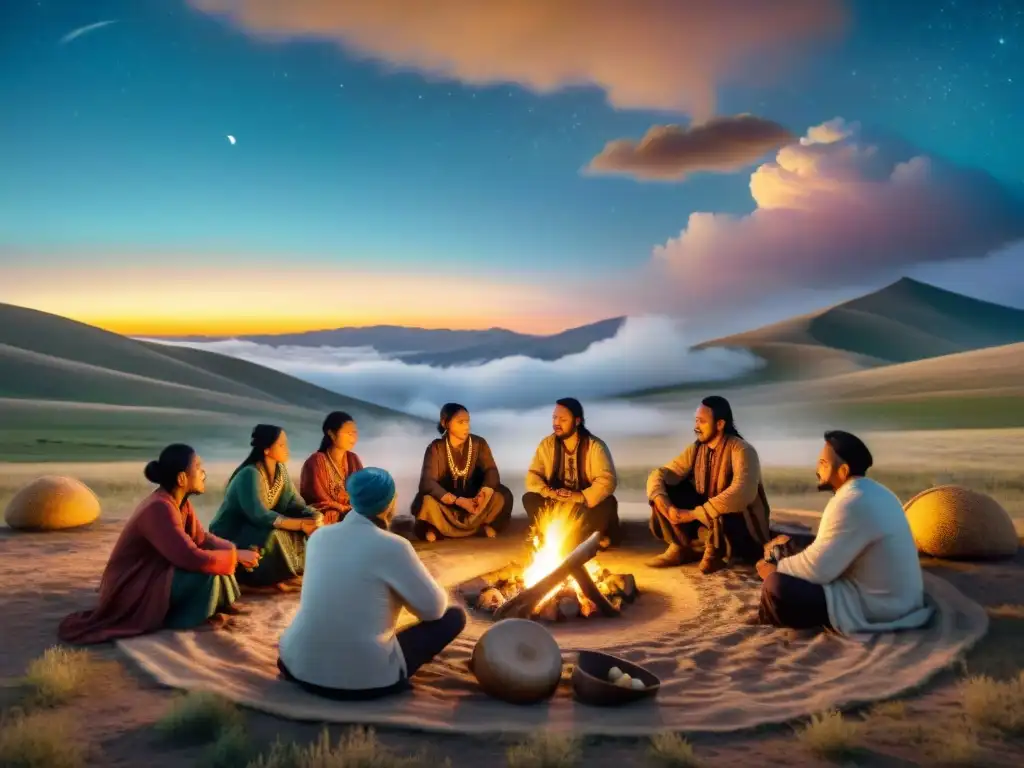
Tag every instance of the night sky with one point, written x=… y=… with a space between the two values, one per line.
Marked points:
x=369 y=186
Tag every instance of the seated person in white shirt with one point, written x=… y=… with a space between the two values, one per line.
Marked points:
x=342 y=642
x=862 y=573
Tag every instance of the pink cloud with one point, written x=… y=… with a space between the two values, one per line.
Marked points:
x=663 y=54
x=831 y=210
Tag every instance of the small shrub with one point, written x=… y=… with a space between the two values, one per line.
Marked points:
x=830 y=735
x=232 y=749
x=358 y=748
x=198 y=718
x=670 y=750
x=59 y=675
x=994 y=704
x=544 y=749
x=39 y=740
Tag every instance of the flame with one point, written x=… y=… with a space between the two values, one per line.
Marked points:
x=554 y=535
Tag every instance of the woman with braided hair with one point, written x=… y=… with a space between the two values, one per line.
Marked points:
x=460 y=491
x=261 y=508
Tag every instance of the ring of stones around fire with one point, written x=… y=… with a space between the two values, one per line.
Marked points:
x=668 y=598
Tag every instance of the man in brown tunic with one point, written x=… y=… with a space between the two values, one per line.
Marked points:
x=714 y=483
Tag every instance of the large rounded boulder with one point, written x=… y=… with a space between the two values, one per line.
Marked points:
x=518 y=661
x=52 y=503
x=956 y=523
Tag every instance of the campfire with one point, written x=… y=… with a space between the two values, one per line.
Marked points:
x=557 y=583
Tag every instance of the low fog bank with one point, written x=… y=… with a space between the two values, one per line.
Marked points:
x=647 y=352
x=638 y=436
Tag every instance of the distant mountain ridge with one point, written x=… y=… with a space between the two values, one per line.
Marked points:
x=903 y=322
x=429 y=346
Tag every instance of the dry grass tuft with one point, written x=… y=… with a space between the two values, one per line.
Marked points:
x=830 y=735
x=60 y=675
x=947 y=742
x=544 y=749
x=198 y=718
x=889 y=710
x=955 y=746
x=995 y=705
x=43 y=739
x=358 y=748
x=670 y=750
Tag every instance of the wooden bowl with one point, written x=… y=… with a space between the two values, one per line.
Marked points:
x=590 y=682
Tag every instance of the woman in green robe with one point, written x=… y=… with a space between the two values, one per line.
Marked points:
x=261 y=508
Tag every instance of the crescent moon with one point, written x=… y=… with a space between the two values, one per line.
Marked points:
x=231 y=138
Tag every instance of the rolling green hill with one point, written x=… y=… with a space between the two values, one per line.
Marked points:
x=69 y=390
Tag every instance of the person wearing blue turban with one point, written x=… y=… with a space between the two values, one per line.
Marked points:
x=343 y=642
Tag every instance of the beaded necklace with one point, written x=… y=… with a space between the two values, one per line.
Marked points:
x=459 y=474
x=272 y=491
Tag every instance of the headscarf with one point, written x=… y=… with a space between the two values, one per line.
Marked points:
x=371 y=491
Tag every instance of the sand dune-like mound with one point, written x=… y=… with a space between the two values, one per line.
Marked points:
x=52 y=503
x=998 y=370
x=903 y=322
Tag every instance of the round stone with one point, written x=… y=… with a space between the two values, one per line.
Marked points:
x=52 y=503
x=953 y=522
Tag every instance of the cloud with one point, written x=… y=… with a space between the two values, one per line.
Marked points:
x=834 y=209
x=646 y=352
x=643 y=53
x=671 y=152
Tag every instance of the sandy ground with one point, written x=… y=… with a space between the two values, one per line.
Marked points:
x=45 y=576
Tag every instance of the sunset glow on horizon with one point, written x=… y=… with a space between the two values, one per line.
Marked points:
x=149 y=301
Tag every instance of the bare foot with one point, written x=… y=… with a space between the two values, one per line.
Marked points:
x=215 y=622
x=431 y=537
x=237 y=609
x=489 y=532
x=288 y=586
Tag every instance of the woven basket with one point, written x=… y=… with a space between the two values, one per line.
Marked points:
x=956 y=523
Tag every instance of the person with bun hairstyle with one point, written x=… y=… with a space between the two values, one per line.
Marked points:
x=324 y=474
x=262 y=509
x=165 y=571
x=460 y=490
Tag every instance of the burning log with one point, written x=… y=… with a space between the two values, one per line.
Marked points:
x=522 y=604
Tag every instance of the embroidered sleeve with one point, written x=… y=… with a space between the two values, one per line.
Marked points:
x=316 y=485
